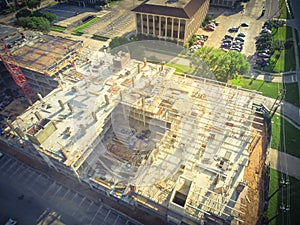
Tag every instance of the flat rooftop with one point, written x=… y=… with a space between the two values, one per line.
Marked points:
x=146 y=128
x=169 y=3
x=46 y=53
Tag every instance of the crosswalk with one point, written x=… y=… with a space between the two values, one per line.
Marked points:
x=60 y=197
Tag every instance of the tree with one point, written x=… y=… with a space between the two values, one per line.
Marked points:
x=50 y=16
x=117 y=41
x=35 y=23
x=224 y=65
x=23 y=13
x=42 y=23
x=34 y=4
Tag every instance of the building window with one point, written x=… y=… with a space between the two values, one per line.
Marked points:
x=169 y=27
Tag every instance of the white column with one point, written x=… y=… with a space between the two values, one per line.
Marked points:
x=142 y=23
x=147 y=24
x=159 y=26
x=153 y=22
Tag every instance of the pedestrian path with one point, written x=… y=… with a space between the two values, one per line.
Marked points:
x=288 y=77
x=284 y=163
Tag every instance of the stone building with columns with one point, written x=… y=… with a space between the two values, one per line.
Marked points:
x=172 y=20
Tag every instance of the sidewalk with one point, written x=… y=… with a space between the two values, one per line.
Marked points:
x=287 y=109
x=286 y=77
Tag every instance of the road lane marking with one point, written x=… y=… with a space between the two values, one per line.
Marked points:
x=100 y=207
x=10 y=166
x=116 y=220
x=16 y=171
x=50 y=187
x=68 y=190
x=5 y=163
x=57 y=190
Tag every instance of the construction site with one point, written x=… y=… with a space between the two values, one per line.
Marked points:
x=179 y=146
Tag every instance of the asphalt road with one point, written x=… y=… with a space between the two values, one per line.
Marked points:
x=35 y=199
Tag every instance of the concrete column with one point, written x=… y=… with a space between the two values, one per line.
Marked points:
x=159 y=26
x=147 y=24
x=184 y=30
x=153 y=22
x=142 y=23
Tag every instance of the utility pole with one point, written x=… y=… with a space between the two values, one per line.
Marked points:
x=277 y=102
x=283 y=183
x=283 y=209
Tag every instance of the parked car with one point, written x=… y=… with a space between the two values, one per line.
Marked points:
x=209 y=28
x=241 y=34
x=224 y=45
x=265 y=31
x=240 y=39
x=263 y=59
x=228 y=37
x=263 y=54
x=237 y=46
x=244 y=25
x=237 y=42
x=202 y=37
x=227 y=41
x=264 y=51
x=212 y=25
x=236 y=49
x=233 y=29
x=225 y=49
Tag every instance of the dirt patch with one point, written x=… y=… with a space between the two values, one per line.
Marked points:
x=254 y=175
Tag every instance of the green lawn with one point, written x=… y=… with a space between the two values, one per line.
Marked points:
x=276 y=200
x=283 y=10
x=269 y=89
x=282 y=33
x=113 y=2
x=292 y=93
x=58 y=28
x=181 y=69
x=85 y=25
x=279 y=127
x=283 y=60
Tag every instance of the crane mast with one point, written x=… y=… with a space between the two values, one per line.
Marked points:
x=16 y=73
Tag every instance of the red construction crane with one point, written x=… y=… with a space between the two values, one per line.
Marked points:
x=16 y=73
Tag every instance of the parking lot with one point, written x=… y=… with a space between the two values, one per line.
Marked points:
x=35 y=199
x=64 y=11
x=228 y=18
x=114 y=21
